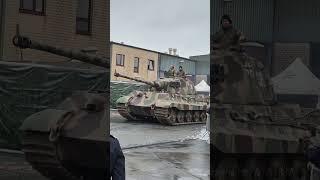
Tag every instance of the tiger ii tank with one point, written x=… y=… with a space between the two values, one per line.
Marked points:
x=70 y=141
x=169 y=101
x=253 y=136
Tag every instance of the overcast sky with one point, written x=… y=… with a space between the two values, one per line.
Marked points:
x=162 y=24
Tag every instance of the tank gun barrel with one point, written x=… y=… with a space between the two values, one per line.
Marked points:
x=24 y=42
x=138 y=80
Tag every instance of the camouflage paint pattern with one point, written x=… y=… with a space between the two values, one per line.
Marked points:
x=169 y=93
x=246 y=119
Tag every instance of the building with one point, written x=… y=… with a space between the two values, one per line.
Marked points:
x=202 y=70
x=146 y=64
x=80 y=24
x=287 y=28
x=134 y=62
x=166 y=60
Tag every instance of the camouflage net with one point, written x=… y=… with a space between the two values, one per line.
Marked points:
x=28 y=88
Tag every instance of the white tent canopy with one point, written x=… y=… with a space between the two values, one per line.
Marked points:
x=296 y=79
x=202 y=87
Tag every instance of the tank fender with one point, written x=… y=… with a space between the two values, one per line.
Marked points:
x=166 y=104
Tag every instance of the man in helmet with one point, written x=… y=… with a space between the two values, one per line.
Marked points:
x=117 y=160
x=227 y=38
x=181 y=72
x=171 y=72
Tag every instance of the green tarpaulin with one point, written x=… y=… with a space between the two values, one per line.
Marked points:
x=27 y=88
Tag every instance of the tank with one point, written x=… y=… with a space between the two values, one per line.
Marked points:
x=169 y=101
x=69 y=141
x=253 y=136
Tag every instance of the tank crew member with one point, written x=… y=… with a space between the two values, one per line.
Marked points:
x=227 y=38
x=117 y=160
x=171 y=72
x=181 y=72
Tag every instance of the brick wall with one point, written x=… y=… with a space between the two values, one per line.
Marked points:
x=57 y=28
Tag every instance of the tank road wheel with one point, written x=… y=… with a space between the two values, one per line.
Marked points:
x=188 y=116
x=180 y=117
x=172 y=116
x=196 y=116
x=203 y=116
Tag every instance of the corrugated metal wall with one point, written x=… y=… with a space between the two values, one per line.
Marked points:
x=297 y=20
x=166 y=61
x=202 y=64
x=315 y=59
x=286 y=53
x=253 y=17
x=2 y=19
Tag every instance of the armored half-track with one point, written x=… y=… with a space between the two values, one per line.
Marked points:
x=70 y=141
x=170 y=101
x=253 y=136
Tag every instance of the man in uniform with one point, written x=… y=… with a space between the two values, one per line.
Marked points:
x=181 y=72
x=227 y=38
x=117 y=160
x=171 y=72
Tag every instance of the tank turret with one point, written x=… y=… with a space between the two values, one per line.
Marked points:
x=239 y=78
x=25 y=42
x=176 y=85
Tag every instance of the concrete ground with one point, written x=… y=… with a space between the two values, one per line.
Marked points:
x=152 y=151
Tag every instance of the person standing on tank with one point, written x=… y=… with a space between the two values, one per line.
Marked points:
x=181 y=72
x=172 y=71
x=227 y=38
x=117 y=160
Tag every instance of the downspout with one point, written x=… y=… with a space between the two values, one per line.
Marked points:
x=159 y=65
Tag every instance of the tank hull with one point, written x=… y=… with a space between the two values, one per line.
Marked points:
x=69 y=142
x=261 y=140
x=63 y=160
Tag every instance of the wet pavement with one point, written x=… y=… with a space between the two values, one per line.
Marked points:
x=158 y=152
x=152 y=151
x=184 y=160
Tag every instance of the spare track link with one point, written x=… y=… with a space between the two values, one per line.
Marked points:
x=162 y=116
x=41 y=154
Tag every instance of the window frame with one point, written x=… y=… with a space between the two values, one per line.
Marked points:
x=88 y=19
x=136 y=69
x=33 y=11
x=122 y=60
x=150 y=60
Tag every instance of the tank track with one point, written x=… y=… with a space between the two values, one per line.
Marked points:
x=261 y=169
x=162 y=115
x=42 y=155
x=124 y=113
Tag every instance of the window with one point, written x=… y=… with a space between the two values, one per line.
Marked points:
x=35 y=7
x=120 y=60
x=84 y=17
x=136 y=65
x=151 y=65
